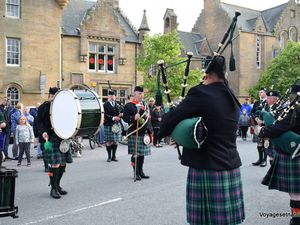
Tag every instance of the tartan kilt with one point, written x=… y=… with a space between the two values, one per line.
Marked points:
x=110 y=136
x=284 y=174
x=142 y=149
x=214 y=197
x=55 y=156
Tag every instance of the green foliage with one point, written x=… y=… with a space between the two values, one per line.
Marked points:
x=168 y=48
x=282 y=71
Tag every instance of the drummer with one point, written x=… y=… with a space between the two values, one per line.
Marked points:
x=52 y=155
x=112 y=126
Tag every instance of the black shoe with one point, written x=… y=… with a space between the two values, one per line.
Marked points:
x=142 y=175
x=108 y=160
x=263 y=164
x=258 y=162
x=54 y=194
x=61 y=191
x=137 y=177
x=114 y=159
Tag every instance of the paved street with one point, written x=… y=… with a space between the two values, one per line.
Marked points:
x=102 y=193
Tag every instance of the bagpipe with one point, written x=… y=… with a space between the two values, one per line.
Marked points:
x=288 y=142
x=191 y=133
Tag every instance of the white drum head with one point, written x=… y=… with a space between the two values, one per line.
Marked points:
x=65 y=114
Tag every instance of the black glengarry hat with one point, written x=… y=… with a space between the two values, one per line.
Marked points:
x=53 y=90
x=139 y=89
x=218 y=66
x=111 y=92
x=273 y=93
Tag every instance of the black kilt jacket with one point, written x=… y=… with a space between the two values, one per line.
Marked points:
x=43 y=119
x=279 y=128
x=110 y=112
x=130 y=110
x=218 y=107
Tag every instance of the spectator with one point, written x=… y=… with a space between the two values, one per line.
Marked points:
x=244 y=123
x=24 y=136
x=246 y=106
x=156 y=117
x=29 y=117
x=14 y=123
x=7 y=110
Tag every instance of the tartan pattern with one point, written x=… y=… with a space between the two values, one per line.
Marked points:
x=142 y=149
x=284 y=174
x=56 y=156
x=110 y=136
x=214 y=197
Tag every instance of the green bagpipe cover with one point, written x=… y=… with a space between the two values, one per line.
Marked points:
x=288 y=141
x=185 y=133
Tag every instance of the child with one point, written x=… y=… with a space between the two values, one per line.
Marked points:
x=244 y=123
x=24 y=136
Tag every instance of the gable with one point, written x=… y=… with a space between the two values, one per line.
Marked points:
x=101 y=20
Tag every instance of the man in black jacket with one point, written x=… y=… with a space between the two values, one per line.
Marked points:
x=258 y=105
x=53 y=155
x=112 y=126
x=136 y=115
x=214 y=188
x=284 y=174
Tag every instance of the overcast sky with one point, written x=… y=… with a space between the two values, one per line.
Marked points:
x=187 y=11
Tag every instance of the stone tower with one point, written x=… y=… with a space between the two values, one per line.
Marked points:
x=170 y=21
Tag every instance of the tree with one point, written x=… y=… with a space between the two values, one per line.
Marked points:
x=168 y=48
x=282 y=71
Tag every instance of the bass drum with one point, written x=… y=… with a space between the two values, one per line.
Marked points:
x=76 y=113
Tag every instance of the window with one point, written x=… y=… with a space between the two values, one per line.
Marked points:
x=283 y=39
x=102 y=58
x=13 y=51
x=258 y=52
x=121 y=95
x=13 y=94
x=293 y=34
x=292 y=13
x=13 y=8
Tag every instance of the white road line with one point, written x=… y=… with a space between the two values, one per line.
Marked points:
x=74 y=211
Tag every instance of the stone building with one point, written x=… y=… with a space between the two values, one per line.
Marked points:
x=67 y=43
x=260 y=36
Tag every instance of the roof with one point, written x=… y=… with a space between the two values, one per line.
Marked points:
x=247 y=20
x=191 y=41
x=76 y=11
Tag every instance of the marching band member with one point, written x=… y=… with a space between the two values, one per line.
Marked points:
x=137 y=117
x=53 y=156
x=112 y=127
x=284 y=174
x=261 y=103
x=214 y=188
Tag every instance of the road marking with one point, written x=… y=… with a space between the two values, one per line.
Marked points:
x=74 y=211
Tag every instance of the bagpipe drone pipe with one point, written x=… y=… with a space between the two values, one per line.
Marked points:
x=192 y=132
x=288 y=142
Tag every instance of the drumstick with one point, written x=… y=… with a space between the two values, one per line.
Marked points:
x=136 y=146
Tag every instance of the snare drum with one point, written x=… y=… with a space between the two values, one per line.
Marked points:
x=76 y=113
